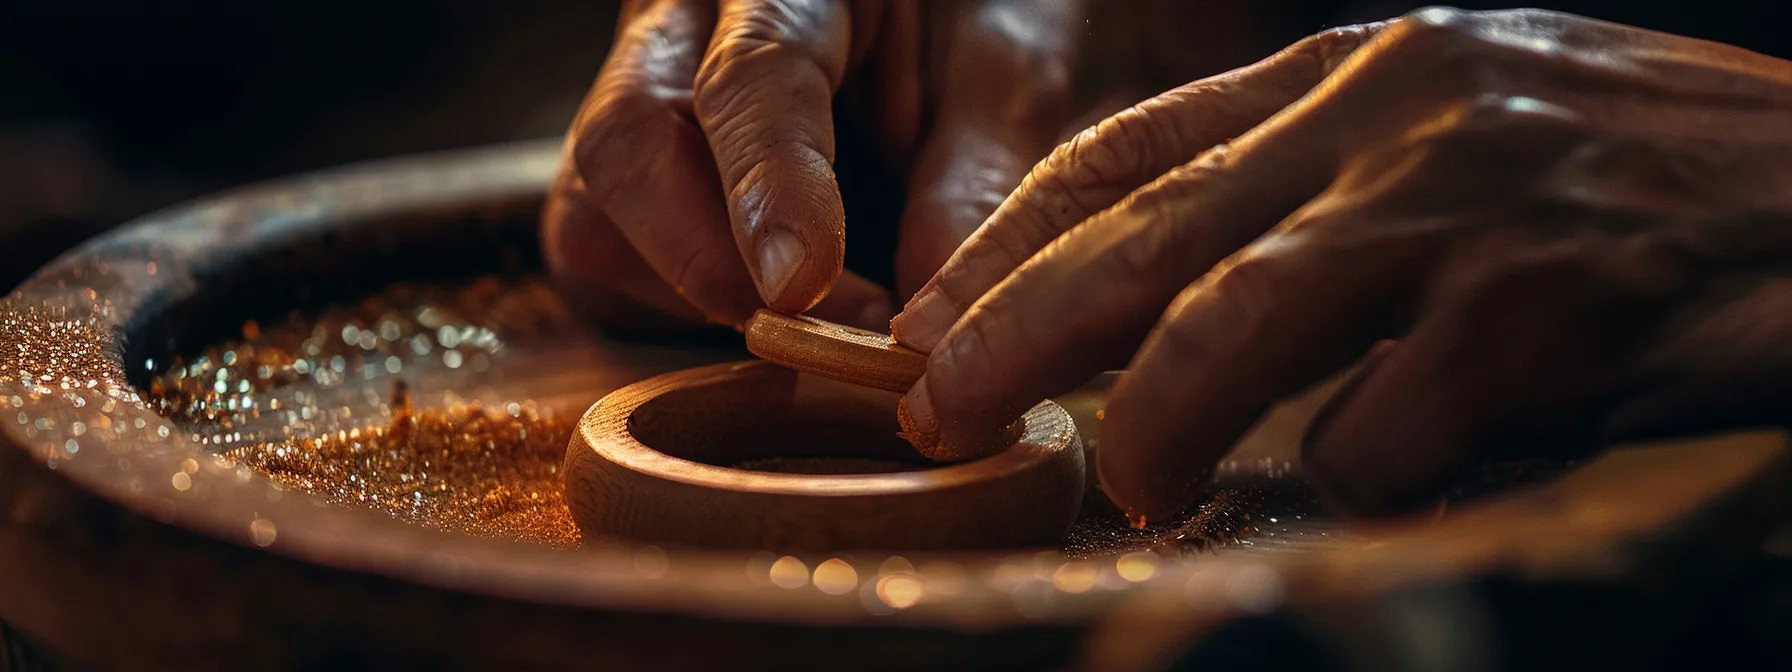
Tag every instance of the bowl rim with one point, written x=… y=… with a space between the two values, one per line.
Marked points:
x=1048 y=438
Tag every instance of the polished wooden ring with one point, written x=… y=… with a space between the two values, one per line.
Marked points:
x=656 y=462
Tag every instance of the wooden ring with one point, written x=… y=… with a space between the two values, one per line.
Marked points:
x=661 y=461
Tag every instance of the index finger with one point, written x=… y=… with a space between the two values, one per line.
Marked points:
x=1103 y=164
x=764 y=97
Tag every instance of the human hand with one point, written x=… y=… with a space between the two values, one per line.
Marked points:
x=1577 y=231
x=698 y=180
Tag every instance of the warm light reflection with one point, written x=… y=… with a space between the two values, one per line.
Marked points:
x=835 y=577
x=1074 y=577
x=262 y=532
x=789 y=572
x=1138 y=566
x=895 y=564
x=899 y=591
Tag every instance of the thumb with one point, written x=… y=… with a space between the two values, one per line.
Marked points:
x=764 y=98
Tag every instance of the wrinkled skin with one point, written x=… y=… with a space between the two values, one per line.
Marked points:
x=698 y=180
x=1536 y=232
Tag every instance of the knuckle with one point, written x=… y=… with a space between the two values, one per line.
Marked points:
x=1085 y=163
x=1422 y=36
x=1331 y=47
x=1048 y=202
x=1008 y=241
x=1478 y=43
x=1122 y=145
x=1089 y=158
x=1485 y=126
x=730 y=73
x=1036 y=78
x=1440 y=19
x=764 y=44
x=617 y=129
x=1145 y=256
x=1432 y=35
x=1018 y=61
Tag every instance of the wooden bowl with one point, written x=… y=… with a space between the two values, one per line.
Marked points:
x=125 y=544
x=693 y=457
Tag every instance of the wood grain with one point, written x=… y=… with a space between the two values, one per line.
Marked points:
x=652 y=462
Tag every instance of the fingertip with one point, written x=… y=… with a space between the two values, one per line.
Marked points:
x=1142 y=488
x=914 y=413
x=793 y=233
x=1377 y=450
x=946 y=439
x=924 y=321
x=781 y=256
x=1159 y=442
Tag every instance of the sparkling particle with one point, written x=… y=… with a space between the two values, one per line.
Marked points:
x=181 y=481
x=462 y=468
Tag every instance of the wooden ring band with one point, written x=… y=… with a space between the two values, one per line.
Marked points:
x=655 y=462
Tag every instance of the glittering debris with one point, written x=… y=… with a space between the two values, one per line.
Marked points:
x=491 y=471
x=400 y=328
x=1225 y=517
x=466 y=469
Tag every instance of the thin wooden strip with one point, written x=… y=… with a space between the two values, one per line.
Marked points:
x=834 y=351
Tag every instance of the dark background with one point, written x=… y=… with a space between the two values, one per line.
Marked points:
x=109 y=110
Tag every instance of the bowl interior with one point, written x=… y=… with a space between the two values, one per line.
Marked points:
x=779 y=421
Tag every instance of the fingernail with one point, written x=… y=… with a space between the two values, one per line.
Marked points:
x=779 y=256
x=925 y=322
x=915 y=413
